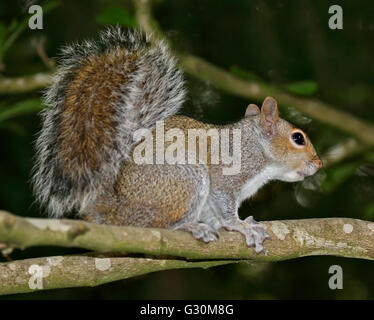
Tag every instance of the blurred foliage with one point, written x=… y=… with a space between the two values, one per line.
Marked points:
x=10 y=33
x=116 y=16
x=27 y=106
x=337 y=175
x=284 y=43
x=305 y=88
x=247 y=75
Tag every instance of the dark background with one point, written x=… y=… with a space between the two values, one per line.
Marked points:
x=282 y=43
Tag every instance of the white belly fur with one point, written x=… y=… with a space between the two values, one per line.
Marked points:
x=252 y=185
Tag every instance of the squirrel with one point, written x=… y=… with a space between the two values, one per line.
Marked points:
x=102 y=93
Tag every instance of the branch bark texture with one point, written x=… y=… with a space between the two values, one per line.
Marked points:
x=165 y=249
x=343 y=237
x=83 y=271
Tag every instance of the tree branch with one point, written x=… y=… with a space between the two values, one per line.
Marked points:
x=24 y=84
x=290 y=238
x=167 y=249
x=341 y=151
x=82 y=270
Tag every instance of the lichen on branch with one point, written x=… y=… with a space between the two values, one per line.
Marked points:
x=165 y=249
x=289 y=238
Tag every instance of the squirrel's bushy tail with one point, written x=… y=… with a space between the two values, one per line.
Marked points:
x=102 y=92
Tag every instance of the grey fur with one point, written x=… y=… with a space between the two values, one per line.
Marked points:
x=156 y=76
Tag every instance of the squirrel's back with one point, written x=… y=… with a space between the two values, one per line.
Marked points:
x=101 y=94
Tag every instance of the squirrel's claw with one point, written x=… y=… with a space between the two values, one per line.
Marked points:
x=253 y=231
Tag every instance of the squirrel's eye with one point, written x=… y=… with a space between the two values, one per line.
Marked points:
x=298 y=138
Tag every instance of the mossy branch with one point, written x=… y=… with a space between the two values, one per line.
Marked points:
x=167 y=249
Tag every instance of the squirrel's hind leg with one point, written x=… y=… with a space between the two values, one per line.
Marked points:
x=192 y=221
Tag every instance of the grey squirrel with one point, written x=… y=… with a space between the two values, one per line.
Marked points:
x=101 y=94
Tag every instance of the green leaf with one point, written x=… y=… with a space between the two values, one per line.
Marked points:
x=305 y=88
x=21 y=108
x=116 y=15
x=335 y=176
x=237 y=71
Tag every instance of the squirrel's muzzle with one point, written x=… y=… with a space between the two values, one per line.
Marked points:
x=318 y=163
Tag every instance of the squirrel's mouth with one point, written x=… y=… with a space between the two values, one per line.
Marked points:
x=302 y=174
x=308 y=170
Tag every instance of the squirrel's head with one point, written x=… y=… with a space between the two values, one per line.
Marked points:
x=288 y=147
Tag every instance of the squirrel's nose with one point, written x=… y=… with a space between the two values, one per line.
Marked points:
x=318 y=163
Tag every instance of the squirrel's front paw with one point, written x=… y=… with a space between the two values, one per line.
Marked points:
x=253 y=231
x=200 y=231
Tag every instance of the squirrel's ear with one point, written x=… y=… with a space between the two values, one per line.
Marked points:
x=252 y=110
x=269 y=115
